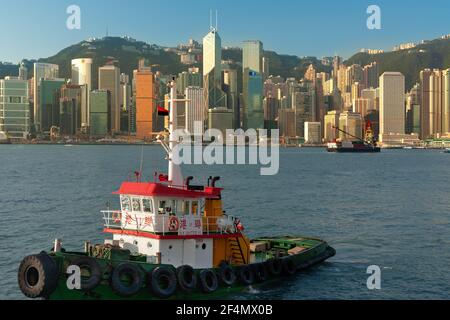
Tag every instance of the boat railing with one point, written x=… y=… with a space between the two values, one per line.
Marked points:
x=170 y=224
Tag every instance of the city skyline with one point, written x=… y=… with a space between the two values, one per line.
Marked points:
x=306 y=23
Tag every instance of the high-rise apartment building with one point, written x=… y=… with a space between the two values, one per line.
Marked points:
x=392 y=104
x=190 y=78
x=331 y=122
x=46 y=71
x=253 y=84
x=109 y=79
x=14 y=108
x=351 y=124
x=82 y=76
x=100 y=113
x=194 y=108
x=146 y=103
x=230 y=87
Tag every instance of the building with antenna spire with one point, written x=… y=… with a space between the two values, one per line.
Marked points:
x=215 y=97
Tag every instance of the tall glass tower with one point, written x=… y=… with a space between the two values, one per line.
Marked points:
x=212 y=71
x=253 y=84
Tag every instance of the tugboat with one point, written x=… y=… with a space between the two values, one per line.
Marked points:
x=367 y=145
x=170 y=240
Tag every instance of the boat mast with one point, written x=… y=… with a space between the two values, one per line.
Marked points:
x=175 y=174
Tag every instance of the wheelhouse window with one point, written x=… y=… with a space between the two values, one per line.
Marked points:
x=147 y=205
x=126 y=204
x=136 y=204
x=162 y=207
x=195 y=207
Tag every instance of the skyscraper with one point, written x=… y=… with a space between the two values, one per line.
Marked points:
x=371 y=75
x=194 y=108
x=82 y=76
x=145 y=100
x=100 y=112
x=230 y=87
x=189 y=78
x=109 y=79
x=14 y=108
x=350 y=123
x=42 y=71
x=212 y=71
x=253 y=84
x=392 y=104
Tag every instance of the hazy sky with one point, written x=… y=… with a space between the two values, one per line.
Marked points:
x=37 y=28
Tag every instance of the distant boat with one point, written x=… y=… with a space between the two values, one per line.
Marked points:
x=447 y=150
x=408 y=148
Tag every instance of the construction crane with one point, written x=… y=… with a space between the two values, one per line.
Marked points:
x=367 y=141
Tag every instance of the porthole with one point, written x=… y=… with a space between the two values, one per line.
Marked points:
x=204 y=246
x=170 y=247
x=149 y=245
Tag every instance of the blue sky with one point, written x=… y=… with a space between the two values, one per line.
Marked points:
x=37 y=28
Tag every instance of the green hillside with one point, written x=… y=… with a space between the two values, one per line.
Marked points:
x=127 y=52
x=433 y=54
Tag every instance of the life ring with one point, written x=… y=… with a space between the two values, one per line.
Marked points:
x=187 y=279
x=135 y=275
x=274 y=266
x=246 y=275
x=174 y=224
x=162 y=282
x=260 y=271
x=117 y=216
x=94 y=270
x=38 y=276
x=227 y=275
x=288 y=266
x=208 y=281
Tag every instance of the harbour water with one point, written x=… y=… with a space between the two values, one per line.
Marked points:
x=390 y=209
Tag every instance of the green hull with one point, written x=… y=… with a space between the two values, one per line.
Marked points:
x=316 y=251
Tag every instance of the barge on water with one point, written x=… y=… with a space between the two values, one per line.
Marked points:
x=367 y=145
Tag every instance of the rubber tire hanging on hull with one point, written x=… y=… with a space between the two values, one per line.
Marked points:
x=187 y=279
x=227 y=275
x=163 y=282
x=275 y=267
x=208 y=281
x=288 y=266
x=246 y=276
x=94 y=269
x=260 y=272
x=135 y=274
x=38 y=276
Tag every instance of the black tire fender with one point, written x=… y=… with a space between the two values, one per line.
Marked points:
x=274 y=266
x=246 y=275
x=90 y=283
x=227 y=275
x=163 y=282
x=208 y=281
x=38 y=276
x=187 y=279
x=288 y=266
x=136 y=275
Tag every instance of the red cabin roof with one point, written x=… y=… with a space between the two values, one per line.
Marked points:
x=148 y=189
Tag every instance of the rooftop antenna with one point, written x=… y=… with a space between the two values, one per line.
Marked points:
x=217 y=20
x=210 y=20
